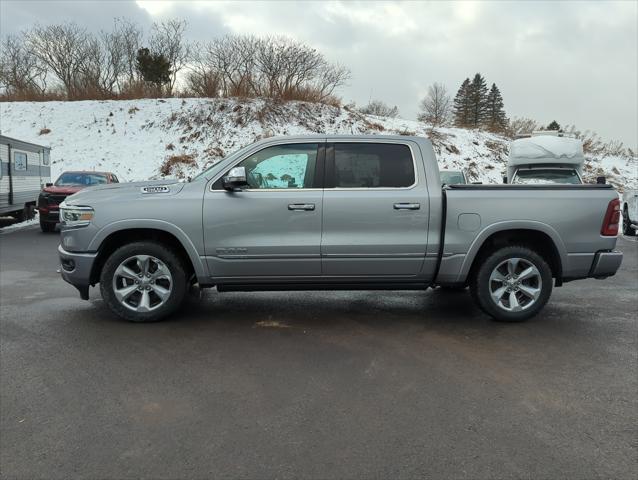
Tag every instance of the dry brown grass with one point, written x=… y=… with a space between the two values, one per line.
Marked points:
x=171 y=164
x=374 y=126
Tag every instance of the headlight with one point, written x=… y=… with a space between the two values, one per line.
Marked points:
x=75 y=216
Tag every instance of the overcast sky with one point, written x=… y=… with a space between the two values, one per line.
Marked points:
x=574 y=62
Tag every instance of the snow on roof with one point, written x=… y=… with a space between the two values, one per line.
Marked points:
x=547 y=149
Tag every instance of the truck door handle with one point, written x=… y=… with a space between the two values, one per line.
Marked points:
x=407 y=206
x=301 y=206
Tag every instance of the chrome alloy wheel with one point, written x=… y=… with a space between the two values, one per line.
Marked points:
x=142 y=283
x=515 y=284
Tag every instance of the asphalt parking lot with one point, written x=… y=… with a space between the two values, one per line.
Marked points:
x=319 y=384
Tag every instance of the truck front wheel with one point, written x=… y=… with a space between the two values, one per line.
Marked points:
x=512 y=284
x=47 y=227
x=143 y=281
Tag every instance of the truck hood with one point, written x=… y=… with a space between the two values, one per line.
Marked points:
x=130 y=190
x=64 y=190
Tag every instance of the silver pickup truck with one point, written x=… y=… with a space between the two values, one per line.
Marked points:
x=335 y=212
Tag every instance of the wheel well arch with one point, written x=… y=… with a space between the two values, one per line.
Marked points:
x=122 y=237
x=535 y=240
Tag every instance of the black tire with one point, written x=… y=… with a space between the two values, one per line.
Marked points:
x=480 y=284
x=626 y=224
x=47 y=227
x=27 y=213
x=159 y=251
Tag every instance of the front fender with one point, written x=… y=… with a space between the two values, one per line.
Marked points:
x=201 y=270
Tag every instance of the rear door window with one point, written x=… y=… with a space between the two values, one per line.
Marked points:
x=372 y=165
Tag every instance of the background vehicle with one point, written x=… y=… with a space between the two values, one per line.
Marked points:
x=630 y=212
x=335 y=212
x=24 y=169
x=545 y=159
x=452 y=177
x=68 y=183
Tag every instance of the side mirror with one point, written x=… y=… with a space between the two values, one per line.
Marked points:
x=235 y=179
x=601 y=180
x=504 y=179
x=48 y=184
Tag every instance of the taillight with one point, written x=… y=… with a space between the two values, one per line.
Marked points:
x=612 y=219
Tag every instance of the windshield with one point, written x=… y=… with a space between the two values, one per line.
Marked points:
x=452 y=178
x=555 y=175
x=80 y=178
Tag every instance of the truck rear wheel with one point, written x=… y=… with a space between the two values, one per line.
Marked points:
x=512 y=284
x=143 y=282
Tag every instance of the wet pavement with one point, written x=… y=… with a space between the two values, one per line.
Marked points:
x=314 y=384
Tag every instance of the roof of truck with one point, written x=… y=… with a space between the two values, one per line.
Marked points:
x=546 y=149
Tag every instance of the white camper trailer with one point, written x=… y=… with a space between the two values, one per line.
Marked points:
x=545 y=159
x=25 y=169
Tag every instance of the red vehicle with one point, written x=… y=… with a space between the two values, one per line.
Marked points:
x=67 y=184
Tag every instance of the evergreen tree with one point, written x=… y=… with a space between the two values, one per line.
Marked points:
x=477 y=101
x=461 y=105
x=154 y=68
x=553 y=126
x=495 y=119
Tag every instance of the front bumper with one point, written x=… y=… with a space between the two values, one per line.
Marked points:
x=49 y=215
x=76 y=268
x=605 y=264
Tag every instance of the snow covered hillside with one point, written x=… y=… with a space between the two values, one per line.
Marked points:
x=137 y=138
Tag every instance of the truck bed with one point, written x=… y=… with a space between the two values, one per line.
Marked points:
x=570 y=215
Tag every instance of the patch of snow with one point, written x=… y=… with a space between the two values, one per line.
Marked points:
x=20 y=225
x=132 y=138
x=547 y=147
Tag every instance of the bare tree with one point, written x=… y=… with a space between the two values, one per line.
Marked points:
x=201 y=79
x=377 y=107
x=130 y=38
x=331 y=77
x=272 y=66
x=167 y=38
x=21 y=72
x=435 y=107
x=103 y=67
x=62 y=48
x=521 y=126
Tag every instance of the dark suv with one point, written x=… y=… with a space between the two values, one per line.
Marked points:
x=67 y=184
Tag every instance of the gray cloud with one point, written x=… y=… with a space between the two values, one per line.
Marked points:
x=569 y=61
x=94 y=15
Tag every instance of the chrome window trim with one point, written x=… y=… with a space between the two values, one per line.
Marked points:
x=324 y=141
x=377 y=189
x=318 y=142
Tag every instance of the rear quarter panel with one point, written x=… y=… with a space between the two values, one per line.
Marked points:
x=571 y=218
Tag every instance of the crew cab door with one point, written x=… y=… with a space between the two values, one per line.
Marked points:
x=271 y=228
x=375 y=210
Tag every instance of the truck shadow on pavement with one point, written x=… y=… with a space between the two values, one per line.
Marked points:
x=433 y=309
